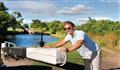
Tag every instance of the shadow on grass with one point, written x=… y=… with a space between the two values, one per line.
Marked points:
x=115 y=69
x=68 y=66
x=72 y=66
x=26 y=68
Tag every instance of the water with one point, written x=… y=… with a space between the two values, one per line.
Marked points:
x=26 y=40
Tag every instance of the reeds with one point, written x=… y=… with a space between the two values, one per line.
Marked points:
x=109 y=39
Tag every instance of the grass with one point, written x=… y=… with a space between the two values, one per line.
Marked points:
x=115 y=49
x=74 y=60
x=72 y=57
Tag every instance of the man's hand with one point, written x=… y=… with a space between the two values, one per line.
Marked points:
x=47 y=46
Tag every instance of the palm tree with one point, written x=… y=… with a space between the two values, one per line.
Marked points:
x=19 y=19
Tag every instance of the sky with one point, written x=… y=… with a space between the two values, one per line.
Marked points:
x=76 y=11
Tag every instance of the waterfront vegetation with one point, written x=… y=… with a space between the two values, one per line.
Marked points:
x=104 y=32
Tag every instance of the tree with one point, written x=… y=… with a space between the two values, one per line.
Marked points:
x=25 y=25
x=19 y=20
x=35 y=23
x=2 y=7
x=101 y=26
x=3 y=17
x=38 y=25
x=54 y=26
x=13 y=20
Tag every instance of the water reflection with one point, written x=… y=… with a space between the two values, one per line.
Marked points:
x=26 y=40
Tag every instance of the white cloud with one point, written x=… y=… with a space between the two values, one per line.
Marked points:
x=84 y=20
x=109 y=1
x=102 y=18
x=78 y=9
x=40 y=7
x=27 y=21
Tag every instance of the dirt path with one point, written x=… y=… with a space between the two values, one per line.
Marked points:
x=12 y=62
x=110 y=59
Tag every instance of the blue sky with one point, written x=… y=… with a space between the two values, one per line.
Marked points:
x=76 y=11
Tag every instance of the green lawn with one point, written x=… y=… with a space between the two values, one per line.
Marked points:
x=74 y=62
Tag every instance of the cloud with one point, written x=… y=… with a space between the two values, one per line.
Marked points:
x=109 y=1
x=84 y=20
x=102 y=18
x=27 y=21
x=40 y=7
x=78 y=9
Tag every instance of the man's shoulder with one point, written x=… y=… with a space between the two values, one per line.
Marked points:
x=79 y=31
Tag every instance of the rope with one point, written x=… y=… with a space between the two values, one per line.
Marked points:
x=65 y=57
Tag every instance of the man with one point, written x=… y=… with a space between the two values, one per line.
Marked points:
x=81 y=42
x=1 y=61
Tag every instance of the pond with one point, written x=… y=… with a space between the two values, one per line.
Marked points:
x=27 y=40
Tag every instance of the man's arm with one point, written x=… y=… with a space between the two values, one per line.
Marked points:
x=76 y=46
x=60 y=43
x=57 y=44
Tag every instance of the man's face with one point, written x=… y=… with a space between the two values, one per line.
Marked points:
x=68 y=28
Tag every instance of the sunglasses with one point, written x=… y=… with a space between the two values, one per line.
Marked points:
x=67 y=28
